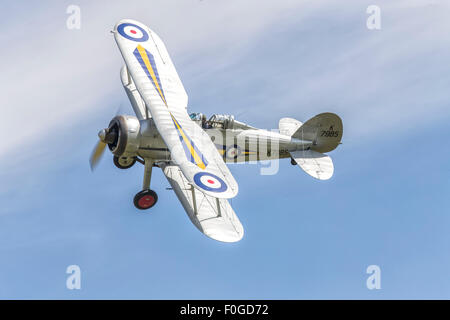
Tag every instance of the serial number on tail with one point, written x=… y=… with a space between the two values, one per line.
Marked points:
x=330 y=133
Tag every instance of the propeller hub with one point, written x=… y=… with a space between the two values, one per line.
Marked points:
x=102 y=135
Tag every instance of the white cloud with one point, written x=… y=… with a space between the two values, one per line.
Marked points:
x=53 y=77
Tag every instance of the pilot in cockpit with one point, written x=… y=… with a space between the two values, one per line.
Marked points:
x=205 y=124
x=200 y=117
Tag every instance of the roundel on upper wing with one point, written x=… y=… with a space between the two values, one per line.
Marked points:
x=210 y=182
x=132 y=32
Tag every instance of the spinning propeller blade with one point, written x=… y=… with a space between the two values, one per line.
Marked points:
x=105 y=137
x=97 y=154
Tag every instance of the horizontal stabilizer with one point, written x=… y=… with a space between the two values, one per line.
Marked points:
x=288 y=126
x=317 y=165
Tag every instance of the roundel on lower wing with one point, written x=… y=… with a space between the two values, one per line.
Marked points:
x=132 y=32
x=210 y=182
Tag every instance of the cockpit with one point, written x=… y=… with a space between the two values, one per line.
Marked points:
x=218 y=121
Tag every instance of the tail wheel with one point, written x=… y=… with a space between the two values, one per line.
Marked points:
x=123 y=162
x=293 y=162
x=145 y=199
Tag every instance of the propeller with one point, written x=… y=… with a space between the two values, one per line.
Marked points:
x=106 y=136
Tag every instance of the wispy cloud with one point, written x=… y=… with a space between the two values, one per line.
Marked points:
x=53 y=76
x=297 y=58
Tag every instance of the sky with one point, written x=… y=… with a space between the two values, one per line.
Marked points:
x=386 y=205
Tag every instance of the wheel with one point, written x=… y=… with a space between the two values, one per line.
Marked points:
x=145 y=199
x=123 y=162
x=293 y=162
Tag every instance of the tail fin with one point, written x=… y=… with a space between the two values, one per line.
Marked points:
x=325 y=130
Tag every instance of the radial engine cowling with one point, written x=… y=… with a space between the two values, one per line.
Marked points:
x=125 y=130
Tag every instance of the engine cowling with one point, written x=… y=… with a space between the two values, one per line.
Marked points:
x=125 y=130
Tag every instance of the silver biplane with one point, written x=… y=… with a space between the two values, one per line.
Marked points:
x=191 y=149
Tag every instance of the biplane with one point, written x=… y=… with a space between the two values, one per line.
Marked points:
x=191 y=149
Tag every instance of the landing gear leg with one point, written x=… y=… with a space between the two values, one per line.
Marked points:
x=146 y=198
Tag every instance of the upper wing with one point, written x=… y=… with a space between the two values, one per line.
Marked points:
x=212 y=216
x=158 y=83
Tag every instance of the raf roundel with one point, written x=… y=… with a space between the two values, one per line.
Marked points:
x=132 y=32
x=233 y=152
x=210 y=182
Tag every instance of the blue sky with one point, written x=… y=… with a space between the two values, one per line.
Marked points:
x=387 y=203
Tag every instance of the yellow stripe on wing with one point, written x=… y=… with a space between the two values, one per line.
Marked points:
x=198 y=161
x=150 y=70
x=189 y=146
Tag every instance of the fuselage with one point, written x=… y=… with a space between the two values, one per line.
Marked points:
x=235 y=145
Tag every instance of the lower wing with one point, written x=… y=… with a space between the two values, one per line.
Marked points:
x=212 y=216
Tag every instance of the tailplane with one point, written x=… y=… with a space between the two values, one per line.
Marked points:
x=288 y=126
x=316 y=164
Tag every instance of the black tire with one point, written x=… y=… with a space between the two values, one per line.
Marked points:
x=121 y=166
x=293 y=162
x=145 y=199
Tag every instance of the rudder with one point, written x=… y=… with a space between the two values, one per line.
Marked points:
x=325 y=130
